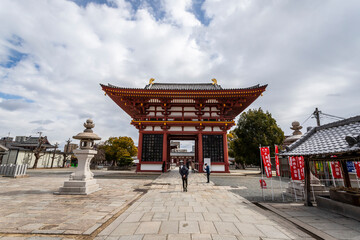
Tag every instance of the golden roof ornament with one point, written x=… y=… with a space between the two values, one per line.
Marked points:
x=151 y=81
x=214 y=81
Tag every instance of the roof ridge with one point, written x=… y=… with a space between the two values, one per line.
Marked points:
x=339 y=123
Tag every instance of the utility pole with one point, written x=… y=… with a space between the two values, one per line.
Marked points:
x=52 y=162
x=317 y=116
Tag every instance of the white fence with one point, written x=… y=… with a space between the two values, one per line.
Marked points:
x=11 y=170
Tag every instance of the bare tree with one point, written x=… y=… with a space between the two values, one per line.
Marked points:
x=53 y=157
x=66 y=152
x=39 y=150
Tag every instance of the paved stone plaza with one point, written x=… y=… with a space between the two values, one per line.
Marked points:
x=139 y=207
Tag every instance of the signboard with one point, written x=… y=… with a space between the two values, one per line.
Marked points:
x=300 y=162
x=336 y=170
x=294 y=168
x=357 y=167
x=277 y=163
x=262 y=183
x=265 y=155
x=350 y=167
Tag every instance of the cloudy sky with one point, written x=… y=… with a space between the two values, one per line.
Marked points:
x=54 y=54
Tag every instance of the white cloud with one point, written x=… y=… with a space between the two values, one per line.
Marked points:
x=306 y=51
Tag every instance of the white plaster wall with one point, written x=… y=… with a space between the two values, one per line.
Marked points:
x=151 y=167
x=151 y=114
x=206 y=114
x=218 y=168
x=176 y=114
x=207 y=129
x=176 y=108
x=216 y=129
x=176 y=128
x=206 y=108
x=157 y=128
x=189 y=129
x=189 y=109
x=188 y=114
x=152 y=108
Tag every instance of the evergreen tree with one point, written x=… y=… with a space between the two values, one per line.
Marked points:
x=254 y=128
x=119 y=151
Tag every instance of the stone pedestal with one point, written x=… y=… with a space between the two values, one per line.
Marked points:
x=82 y=181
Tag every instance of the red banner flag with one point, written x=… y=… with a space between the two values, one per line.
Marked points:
x=277 y=160
x=300 y=162
x=336 y=170
x=265 y=155
x=294 y=168
x=357 y=167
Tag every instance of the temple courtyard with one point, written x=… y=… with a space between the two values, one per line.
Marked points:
x=152 y=206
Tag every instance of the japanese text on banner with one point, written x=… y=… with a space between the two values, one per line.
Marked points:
x=265 y=155
x=277 y=160
x=357 y=167
x=336 y=170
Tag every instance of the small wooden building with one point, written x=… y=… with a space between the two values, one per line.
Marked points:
x=337 y=141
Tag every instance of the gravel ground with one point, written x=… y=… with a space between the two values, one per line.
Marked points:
x=249 y=187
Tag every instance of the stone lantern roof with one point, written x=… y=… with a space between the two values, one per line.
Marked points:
x=88 y=136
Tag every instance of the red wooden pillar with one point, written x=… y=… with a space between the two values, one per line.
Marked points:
x=139 y=151
x=226 y=153
x=200 y=152
x=165 y=148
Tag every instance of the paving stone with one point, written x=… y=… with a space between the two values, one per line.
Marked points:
x=223 y=237
x=179 y=237
x=134 y=217
x=125 y=229
x=131 y=237
x=148 y=228
x=207 y=227
x=197 y=236
x=249 y=230
x=169 y=227
x=211 y=217
x=226 y=228
x=191 y=216
x=155 y=237
x=189 y=227
x=160 y=216
x=271 y=231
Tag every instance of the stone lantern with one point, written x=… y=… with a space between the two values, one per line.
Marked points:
x=82 y=181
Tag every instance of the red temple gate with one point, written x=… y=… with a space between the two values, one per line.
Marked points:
x=201 y=112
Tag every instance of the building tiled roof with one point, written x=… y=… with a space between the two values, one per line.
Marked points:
x=31 y=142
x=3 y=148
x=328 y=139
x=183 y=86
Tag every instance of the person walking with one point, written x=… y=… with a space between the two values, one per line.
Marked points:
x=207 y=170
x=184 y=172
x=163 y=167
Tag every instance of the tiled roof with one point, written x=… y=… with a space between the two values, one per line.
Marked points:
x=183 y=86
x=31 y=142
x=3 y=148
x=328 y=139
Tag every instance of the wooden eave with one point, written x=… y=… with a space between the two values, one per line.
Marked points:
x=131 y=100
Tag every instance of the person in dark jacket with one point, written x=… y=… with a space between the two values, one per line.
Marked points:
x=207 y=170
x=163 y=167
x=184 y=172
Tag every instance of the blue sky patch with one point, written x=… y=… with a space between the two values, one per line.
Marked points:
x=16 y=40
x=154 y=7
x=14 y=97
x=200 y=13
x=13 y=58
x=84 y=3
